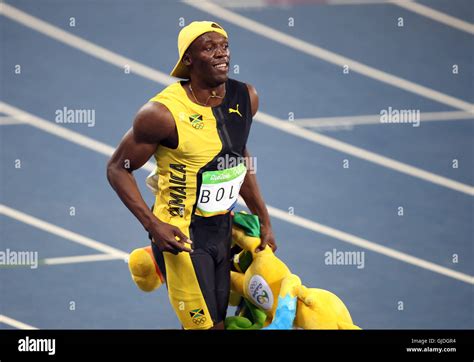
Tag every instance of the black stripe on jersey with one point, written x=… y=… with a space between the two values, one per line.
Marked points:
x=233 y=131
x=213 y=234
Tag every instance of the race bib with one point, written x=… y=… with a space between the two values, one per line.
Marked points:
x=220 y=190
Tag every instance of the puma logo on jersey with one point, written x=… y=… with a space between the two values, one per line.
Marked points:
x=236 y=110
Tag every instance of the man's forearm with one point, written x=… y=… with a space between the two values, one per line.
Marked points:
x=252 y=196
x=124 y=184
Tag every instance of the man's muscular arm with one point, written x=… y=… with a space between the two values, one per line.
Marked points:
x=153 y=124
x=251 y=194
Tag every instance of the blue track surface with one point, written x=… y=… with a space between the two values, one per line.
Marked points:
x=293 y=173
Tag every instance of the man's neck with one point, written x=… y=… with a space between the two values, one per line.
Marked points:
x=202 y=92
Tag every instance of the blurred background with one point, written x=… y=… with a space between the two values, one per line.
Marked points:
x=364 y=146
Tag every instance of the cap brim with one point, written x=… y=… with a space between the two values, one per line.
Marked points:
x=180 y=70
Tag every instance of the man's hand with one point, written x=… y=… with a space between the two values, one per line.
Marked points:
x=169 y=238
x=267 y=238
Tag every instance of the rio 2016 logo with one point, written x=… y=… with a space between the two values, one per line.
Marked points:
x=260 y=292
x=263 y=298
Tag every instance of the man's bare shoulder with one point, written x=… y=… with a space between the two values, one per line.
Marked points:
x=253 y=98
x=153 y=123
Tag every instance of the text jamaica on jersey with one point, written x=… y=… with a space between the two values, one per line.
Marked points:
x=178 y=189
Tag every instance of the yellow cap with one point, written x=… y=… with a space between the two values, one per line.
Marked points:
x=186 y=36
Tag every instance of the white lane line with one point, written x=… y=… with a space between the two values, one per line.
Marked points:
x=56 y=130
x=245 y=4
x=375 y=119
x=369 y=245
x=373 y=157
x=266 y=119
x=410 y=5
x=436 y=15
x=59 y=231
x=14 y=323
x=285 y=126
x=82 y=44
x=331 y=57
x=80 y=259
x=148 y=73
x=359 y=2
x=297 y=220
x=9 y=121
x=259 y=4
x=62 y=132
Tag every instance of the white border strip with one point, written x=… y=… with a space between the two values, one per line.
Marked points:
x=14 y=323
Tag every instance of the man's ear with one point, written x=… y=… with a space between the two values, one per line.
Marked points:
x=187 y=59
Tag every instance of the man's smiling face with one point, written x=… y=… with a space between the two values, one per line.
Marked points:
x=209 y=57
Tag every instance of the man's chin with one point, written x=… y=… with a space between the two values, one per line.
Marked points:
x=224 y=77
x=221 y=78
